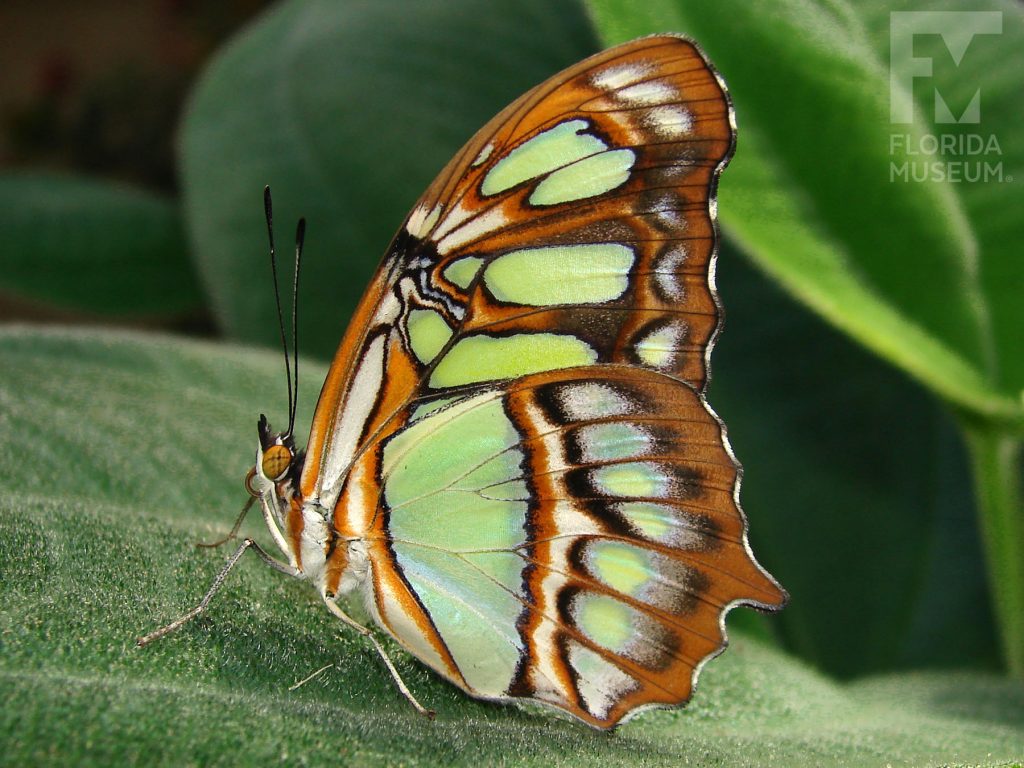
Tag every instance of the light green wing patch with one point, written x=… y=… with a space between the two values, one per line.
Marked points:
x=659 y=522
x=589 y=177
x=438 y=471
x=456 y=512
x=474 y=614
x=633 y=479
x=612 y=441
x=547 y=151
x=659 y=348
x=428 y=333
x=462 y=271
x=605 y=620
x=479 y=357
x=622 y=567
x=564 y=274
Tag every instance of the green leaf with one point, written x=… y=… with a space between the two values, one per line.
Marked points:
x=910 y=270
x=347 y=110
x=992 y=65
x=130 y=448
x=857 y=489
x=993 y=209
x=84 y=245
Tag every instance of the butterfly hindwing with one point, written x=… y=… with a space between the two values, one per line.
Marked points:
x=573 y=536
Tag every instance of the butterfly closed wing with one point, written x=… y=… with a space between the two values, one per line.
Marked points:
x=512 y=462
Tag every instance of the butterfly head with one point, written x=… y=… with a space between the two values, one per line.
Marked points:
x=278 y=464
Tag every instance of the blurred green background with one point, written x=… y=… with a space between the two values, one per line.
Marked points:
x=871 y=370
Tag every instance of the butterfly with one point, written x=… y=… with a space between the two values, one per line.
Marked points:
x=512 y=462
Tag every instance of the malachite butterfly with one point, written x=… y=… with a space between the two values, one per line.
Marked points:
x=512 y=462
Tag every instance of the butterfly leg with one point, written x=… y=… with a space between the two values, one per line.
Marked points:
x=234 y=529
x=215 y=588
x=402 y=687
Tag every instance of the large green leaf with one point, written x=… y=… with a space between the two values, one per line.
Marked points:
x=85 y=245
x=347 y=110
x=856 y=486
x=129 y=448
x=991 y=73
x=919 y=272
x=992 y=64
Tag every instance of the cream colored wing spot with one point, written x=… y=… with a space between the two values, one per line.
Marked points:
x=453 y=218
x=600 y=683
x=472 y=229
x=667 y=275
x=484 y=154
x=422 y=220
x=660 y=347
x=670 y=122
x=668 y=214
x=592 y=400
x=656 y=102
x=620 y=76
x=340 y=446
x=552 y=275
x=647 y=94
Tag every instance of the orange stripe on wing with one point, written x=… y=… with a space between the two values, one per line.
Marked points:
x=404 y=616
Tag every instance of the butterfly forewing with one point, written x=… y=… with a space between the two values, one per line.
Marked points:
x=514 y=425
x=585 y=208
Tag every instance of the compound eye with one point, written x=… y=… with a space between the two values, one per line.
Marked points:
x=276 y=460
x=249 y=479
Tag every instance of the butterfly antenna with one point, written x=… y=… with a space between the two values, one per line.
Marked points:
x=300 y=238
x=268 y=209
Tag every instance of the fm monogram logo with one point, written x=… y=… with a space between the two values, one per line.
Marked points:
x=957 y=29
